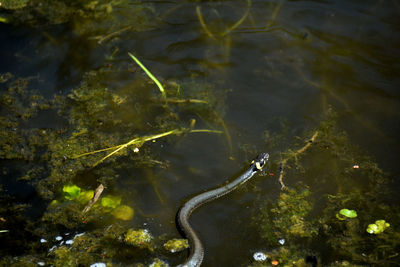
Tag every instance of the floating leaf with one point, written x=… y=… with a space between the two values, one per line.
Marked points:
x=85 y=196
x=346 y=213
x=123 y=212
x=110 y=202
x=378 y=227
x=71 y=191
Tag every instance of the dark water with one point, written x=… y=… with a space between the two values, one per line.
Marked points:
x=273 y=79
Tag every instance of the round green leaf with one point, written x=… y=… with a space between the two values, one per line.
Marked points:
x=71 y=191
x=348 y=213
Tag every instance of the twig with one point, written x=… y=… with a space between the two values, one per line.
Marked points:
x=189 y=101
x=294 y=155
x=96 y=196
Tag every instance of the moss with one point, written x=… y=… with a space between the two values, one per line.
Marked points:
x=13 y=4
x=139 y=238
x=158 y=263
x=287 y=218
x=176 y=245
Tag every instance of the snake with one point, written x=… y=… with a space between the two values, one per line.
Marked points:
x=196 y=249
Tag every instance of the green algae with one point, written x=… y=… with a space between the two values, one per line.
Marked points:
x=158 y=263
x=13 y=4
x=176 y=245
x=88 y=112
x=139 y=238
x=287 y=218
x=292 y=215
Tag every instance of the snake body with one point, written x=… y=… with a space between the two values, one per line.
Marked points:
x=196 y=248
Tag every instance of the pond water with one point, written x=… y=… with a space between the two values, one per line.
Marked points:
x=313 y=83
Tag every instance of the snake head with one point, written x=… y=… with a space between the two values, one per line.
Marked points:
x=260 y=161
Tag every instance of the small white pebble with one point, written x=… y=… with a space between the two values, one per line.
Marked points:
x=58 y=238
x=41 y=263
x=281 y=241
x=43 y=240
x=69 y=242
x=259 y=256
x=98 y=264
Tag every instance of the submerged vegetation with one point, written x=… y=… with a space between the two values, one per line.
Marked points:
x=293 y=216
x=83 y=159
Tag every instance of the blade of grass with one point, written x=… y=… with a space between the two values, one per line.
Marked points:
x=149 y=74
x=141 y=140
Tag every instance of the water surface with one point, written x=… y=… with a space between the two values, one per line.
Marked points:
x=273 y=74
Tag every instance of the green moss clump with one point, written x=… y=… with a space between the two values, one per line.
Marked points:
x=158 y=263
x=13 y=4
x=139 y=238
x=288 y=217
x=176 y=245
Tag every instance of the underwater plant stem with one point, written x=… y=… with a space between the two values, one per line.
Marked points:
x=139 y=141
x=283 y=162
x=240 y=21
x=202 y=23
x=110 y=35
x=191 y=101
x=149 y=74
x=226 y=132
x=150 y=177
x=274 y=14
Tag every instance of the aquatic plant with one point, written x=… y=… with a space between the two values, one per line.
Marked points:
x=13 y=4
x=287 y=218
x=110 y=202
x=158 y=263
x=139 y=238
x=346 y=213
x=123 y=212
x=71 y=191
x=378 y=227
x=176 y=245
x=159 y=85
